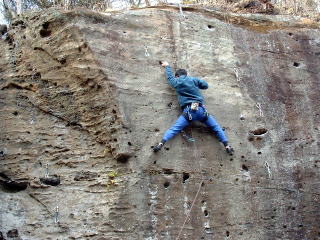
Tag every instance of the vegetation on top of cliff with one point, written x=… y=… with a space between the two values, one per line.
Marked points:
x=305 y=8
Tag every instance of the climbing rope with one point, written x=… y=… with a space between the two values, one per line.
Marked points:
x=180 y=8
x=46 y=175
x=268 y=169
x=56 y=215
x=196 y=157
x=186 y=219
x=260 y=109
x=236 y=72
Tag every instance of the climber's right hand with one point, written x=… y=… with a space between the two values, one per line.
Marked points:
x=164 y=63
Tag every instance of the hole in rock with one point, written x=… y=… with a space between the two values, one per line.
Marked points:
x=166 y=184
x=114 y=111
x=45 y=25
x=242 y=156
x=231 y=159
x=284 y=226
x=167 y=149
x=202 y=184
x=52 y=181
x=245 y=168
x=15 y=113
x=186 y=176
x=206 y=213
x=13 y=233
x=62 y=61
x=227 y=233
x=45 y=33
x=37 y=75
x=13 y=186
x=259 y=131
x=290 y=34
x=237 y=179
x=154 y=162
x=210 y=26
x=129 y=143
x=259 y=153
x=300 y=226
x=296 y=64
x=168 y=171
x=254 y=192
x=123 y=157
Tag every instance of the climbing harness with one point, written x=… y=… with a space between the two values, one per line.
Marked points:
x=195 y=107
x=187 y=115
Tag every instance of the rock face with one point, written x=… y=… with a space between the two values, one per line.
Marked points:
x=83 y=99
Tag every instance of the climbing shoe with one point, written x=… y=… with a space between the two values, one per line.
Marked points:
x=158 y=147
x=229 y=150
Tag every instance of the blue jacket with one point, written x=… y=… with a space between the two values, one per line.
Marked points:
x=187 y=88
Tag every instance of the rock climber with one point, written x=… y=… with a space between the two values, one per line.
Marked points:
x=192 y=105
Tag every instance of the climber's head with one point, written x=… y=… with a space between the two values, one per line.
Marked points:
x=181 y=72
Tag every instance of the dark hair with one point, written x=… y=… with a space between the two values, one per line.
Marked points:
x=181 y=72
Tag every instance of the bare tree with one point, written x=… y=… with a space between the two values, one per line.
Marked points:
x=9 y=10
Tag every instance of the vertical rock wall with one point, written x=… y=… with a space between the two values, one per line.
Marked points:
x=83 y=99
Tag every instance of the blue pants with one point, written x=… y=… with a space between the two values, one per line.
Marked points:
x=198 y=115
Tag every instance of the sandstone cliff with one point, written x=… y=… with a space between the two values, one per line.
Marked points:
x=83 y=99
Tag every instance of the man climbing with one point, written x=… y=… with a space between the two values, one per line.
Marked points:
x=192 y=104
